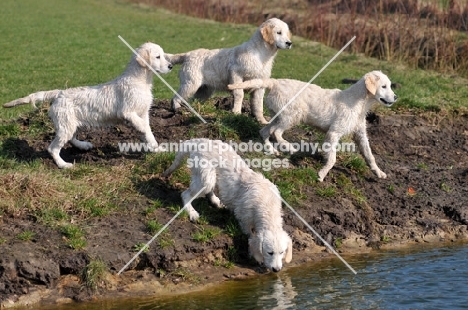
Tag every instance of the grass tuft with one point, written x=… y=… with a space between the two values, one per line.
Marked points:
x=205 y=234
x=74 y=235
x=93 y=276
x=26 y=235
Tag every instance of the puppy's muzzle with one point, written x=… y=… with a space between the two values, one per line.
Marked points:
x=389 y=103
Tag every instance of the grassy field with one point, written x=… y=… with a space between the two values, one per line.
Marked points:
x=72 y=43
x=48 y=44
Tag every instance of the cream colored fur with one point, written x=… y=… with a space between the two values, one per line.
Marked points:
x=246 y=193
x=205 y=71
x=126 y=98
x=336 y=112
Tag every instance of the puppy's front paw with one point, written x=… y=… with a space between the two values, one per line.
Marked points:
x=380 y=174
x=270 y=150
x=194 y=216
x=216 y=202
x=153 y=148
x=175 y=106
x=321 y=175
x=65 y=165
x=236 y=111
x=86 y=146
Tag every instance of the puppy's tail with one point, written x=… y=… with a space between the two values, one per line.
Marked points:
x=252 y=84
x=179 y=159
x=42 y=96
x=175 y=59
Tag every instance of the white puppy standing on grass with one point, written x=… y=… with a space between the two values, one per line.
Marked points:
x=126 y=98
x=246 y=193
x=336 y=112
x=205 y=71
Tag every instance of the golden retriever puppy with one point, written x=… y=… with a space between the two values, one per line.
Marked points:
x=205 y=71
x=336 y=112
x=253 y=199
x=126 y=98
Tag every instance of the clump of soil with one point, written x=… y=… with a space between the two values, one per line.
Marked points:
x=422 y=200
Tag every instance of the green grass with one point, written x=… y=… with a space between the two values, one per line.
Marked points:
x=232 y=228
x=328 y=191
x=140 y=245
x=93 y=276
x=153 y=227
x=75 y=43
x=422 y=166
x=292 y=182
x=75 y=237
x=26 y=235
x=205 y=234
x=356 y=163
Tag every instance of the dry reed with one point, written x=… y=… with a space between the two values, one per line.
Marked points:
x=425 y=34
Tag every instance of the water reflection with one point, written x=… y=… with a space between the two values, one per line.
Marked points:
x=282 y=295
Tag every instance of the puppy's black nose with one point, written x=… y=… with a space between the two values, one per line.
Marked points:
x=170 y=66
x=396 y=97
x=275 y=269
x=288 y=43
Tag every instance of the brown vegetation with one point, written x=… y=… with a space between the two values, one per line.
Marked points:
x=425 y=34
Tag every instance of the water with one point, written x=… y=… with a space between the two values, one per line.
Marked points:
x=421 y=278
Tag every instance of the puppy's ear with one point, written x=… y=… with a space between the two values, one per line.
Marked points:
x=371 y=82
x=143 y=56
x=288 y=256
x=267 y=33
x=255 y=247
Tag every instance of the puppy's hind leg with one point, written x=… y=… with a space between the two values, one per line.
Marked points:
x=256 y=105
x=204 y=93
x=61 y=138
x=214 y=199
x=237 y=93
x=186 y=91
x=179 y=158
x=65 y=128
x=196 y=186
x=238 y=97
x=278 y=134
x=82 y=145
x=332 y=139
x=265 y=133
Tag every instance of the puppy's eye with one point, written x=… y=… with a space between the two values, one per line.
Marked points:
x=279 y=32
x=384 y=86
x=270 y=253
x=158 y=57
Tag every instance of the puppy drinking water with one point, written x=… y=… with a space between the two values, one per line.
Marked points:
x=253 y=199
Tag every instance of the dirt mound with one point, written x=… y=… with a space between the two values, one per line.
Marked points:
x=423 y=199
